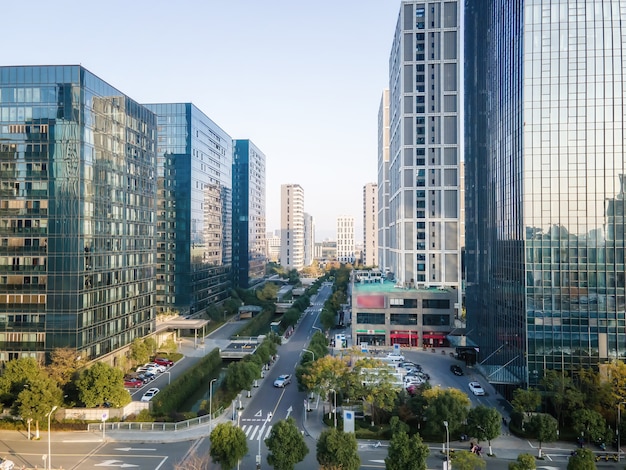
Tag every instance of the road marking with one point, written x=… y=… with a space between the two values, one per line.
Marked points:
x=251 y=431
x=258 y=414
x=114 y=463
x=289 y=410
x=128 y=449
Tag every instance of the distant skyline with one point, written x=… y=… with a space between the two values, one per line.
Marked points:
x=302 y=81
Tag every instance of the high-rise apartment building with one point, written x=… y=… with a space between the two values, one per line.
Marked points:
x=309 y=239
x=78 y=193
x=545 y=186
x=345 y=239
x=272 y=242
x=292 y=226
x=425 y=116
x=383 y=182
x=194 y=213
x=370 y=224
x=249 y=222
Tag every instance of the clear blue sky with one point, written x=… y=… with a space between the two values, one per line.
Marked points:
x=302 y=80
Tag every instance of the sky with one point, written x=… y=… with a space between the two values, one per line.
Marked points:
x=302 y=80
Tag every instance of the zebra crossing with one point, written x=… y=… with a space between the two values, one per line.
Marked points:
x=253 y=431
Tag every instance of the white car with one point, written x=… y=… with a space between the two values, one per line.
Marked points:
x=395 y=357
x=6 y=464
x=149 y=395
x=158 y=367
x=476 y=389
x=146 y=368
x=282 y=381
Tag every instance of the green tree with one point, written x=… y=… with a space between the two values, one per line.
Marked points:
x=139 y=351
x=268 y=292
x=523 y=462
x=406 y=453
x=544 y=427
x=590 y=424
x=465 y=460
x=240 y=375
x=228 y=445
x=328 y=318
x=16 y=374
x=101 y=384
x=372 y=382
x=151 y=346
x=484 y=424
x=449 y=405
x=526 y=401
x=561 y=393
x=325 y=373
x=583 y=459
x=286 y=445
x=337 y=450
x=37 y=399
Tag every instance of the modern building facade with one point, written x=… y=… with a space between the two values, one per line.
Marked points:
x=545 y=186
x=425 y=137
x=249 y=221
x=345 y=239
x=370 y=225
x=383 y=182
x=292 y=226
x=309 y=239
x=273 y=246
x=194 y=215
x=78 y=194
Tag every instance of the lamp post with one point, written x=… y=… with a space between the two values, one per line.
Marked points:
x=445 y=423
x=49 y=461
x=258 y=457
x=619 y=422
x=312 y=353
x=335 y=400
x=211 y=404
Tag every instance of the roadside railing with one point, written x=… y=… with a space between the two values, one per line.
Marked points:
x=137 y=426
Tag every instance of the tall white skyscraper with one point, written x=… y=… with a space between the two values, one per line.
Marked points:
x=309 y=239
x=383 y=182
x=292 y=226
x=425 y=126
x=345 y=239
x=370 y=224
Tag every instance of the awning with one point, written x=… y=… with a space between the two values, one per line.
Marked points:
x=403 y=335
x=434 y=336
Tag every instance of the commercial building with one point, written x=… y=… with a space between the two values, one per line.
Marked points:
x=78 y=189
x=345 y=239
x=370 y=224
x=249 y=221
x=545 y=186
x=292 y=226
x=194 y=216
x=272 y=241
x=425 y=136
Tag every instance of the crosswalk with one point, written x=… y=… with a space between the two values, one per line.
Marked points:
x=253 y=431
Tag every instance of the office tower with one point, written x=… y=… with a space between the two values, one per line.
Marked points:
x=249 y=222
x=292 y=226
x=309 y=239
x=425 y=115
x=345 y=239
x=370 y=224
x=383 y=182
x=545 y=196
x=194 y=215
x=273 y=246
x=77 y=214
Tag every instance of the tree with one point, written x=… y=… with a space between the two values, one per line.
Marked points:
x=526 y=401
x=561 y=393
x=16 y=374
x=449 y=405
x=240 y=375
x=590 y=424
x=64 y=362
x=328 y=318
x=101 y=384
x=484 y=424
x=286 y=445
x=404 y=452
x=544 y=427
x=37 y=399
x=228 y=445
x=337 y=450
x=325 y=373
x=139 y=351
x=583 y=459
x=372 y=382
x=523 y=462
x=465 y=460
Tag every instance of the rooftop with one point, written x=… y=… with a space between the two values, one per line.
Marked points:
x=390 y=286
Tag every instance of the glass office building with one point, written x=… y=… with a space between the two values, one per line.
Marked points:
x=544 y=191
x=77 y=214
x=194 y=211
x=249 y=222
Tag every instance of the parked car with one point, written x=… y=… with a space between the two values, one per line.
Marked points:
x=394 y=357
x=456 y=370
x=133 y=383
x=163 y=361
x=282 y=380
x=6 y=464
x=151 y=369
x=158 y=367
x=149 y=395
x=476 y=388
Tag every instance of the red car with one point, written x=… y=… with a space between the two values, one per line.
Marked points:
x=163 y=362
x=133 y=383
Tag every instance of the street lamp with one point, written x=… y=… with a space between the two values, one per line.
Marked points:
x=335 y=397
x=211 y=405
x=49 y=415
x=619 y=422
x=445 y=423
x=312 y=353
x=258 y=457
